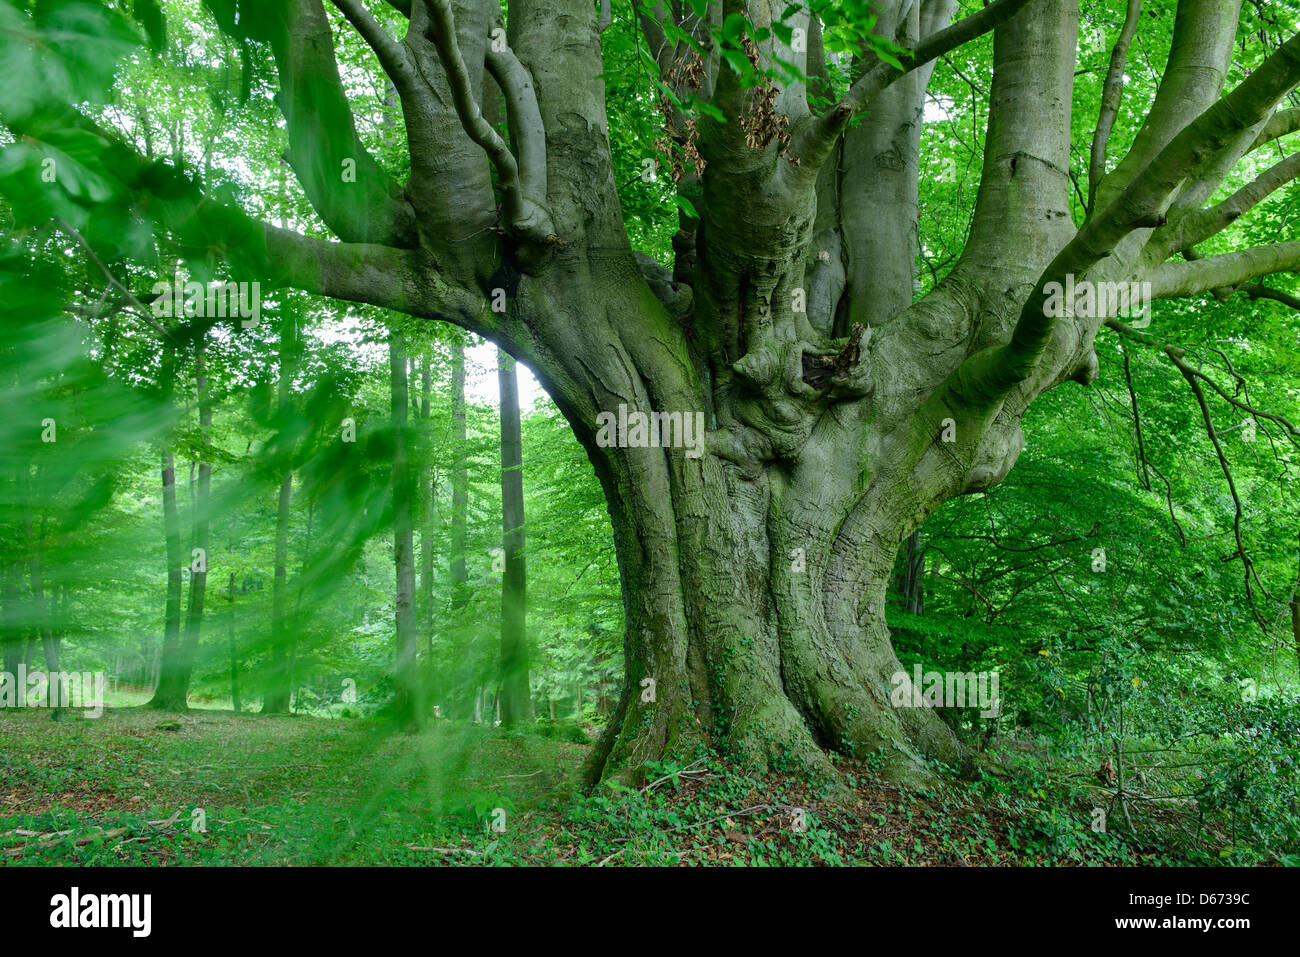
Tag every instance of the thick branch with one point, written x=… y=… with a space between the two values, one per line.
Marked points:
x=1201 y=225
x=1199 y=54
x=1175 y=280
x=402 y=280
x=1280 y=124
x=352 y=194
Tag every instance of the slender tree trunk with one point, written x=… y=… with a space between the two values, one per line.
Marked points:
x=11 y=640
x=41 y=614
x=462 y=706
x=170 y=693
x=406 y=678
x=201 y=521
x=427 y=512
x=1295 y=616
x=515 y=699
x=909 y=581
x=233 y=649
x=459 y=482
x=279 y=694
x=281 y=680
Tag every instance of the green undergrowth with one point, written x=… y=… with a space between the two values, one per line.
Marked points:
x=213 y=788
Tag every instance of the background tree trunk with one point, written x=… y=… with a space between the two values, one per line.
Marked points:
x=279 y=690
x=515 y=698
x=201 y=522
x=408 y=703
x=459 y=481
x=235 y=700
x=170 y=693
x=428 y=513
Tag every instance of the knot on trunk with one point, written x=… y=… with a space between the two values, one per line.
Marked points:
x=841 y=374
x=787 y=387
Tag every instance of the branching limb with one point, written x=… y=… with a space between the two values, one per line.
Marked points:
x=1142 y=205
x=136 y=305
x=1201 y=225
x=1194 y=377
x=1176 y=356
x=814 y=143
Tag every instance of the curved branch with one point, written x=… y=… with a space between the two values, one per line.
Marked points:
x=1194 y=377
x=390 y=54
x=523 y=216
x=525 y=120
x=1175 y=355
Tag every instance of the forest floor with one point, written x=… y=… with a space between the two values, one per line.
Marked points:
x=214 y=788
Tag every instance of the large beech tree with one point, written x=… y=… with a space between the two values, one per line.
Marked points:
x=839 y=411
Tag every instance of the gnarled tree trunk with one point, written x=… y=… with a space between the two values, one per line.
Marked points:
x=838 y=411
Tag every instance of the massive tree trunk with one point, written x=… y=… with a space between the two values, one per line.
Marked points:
x=838 y=411
x=516 y=699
